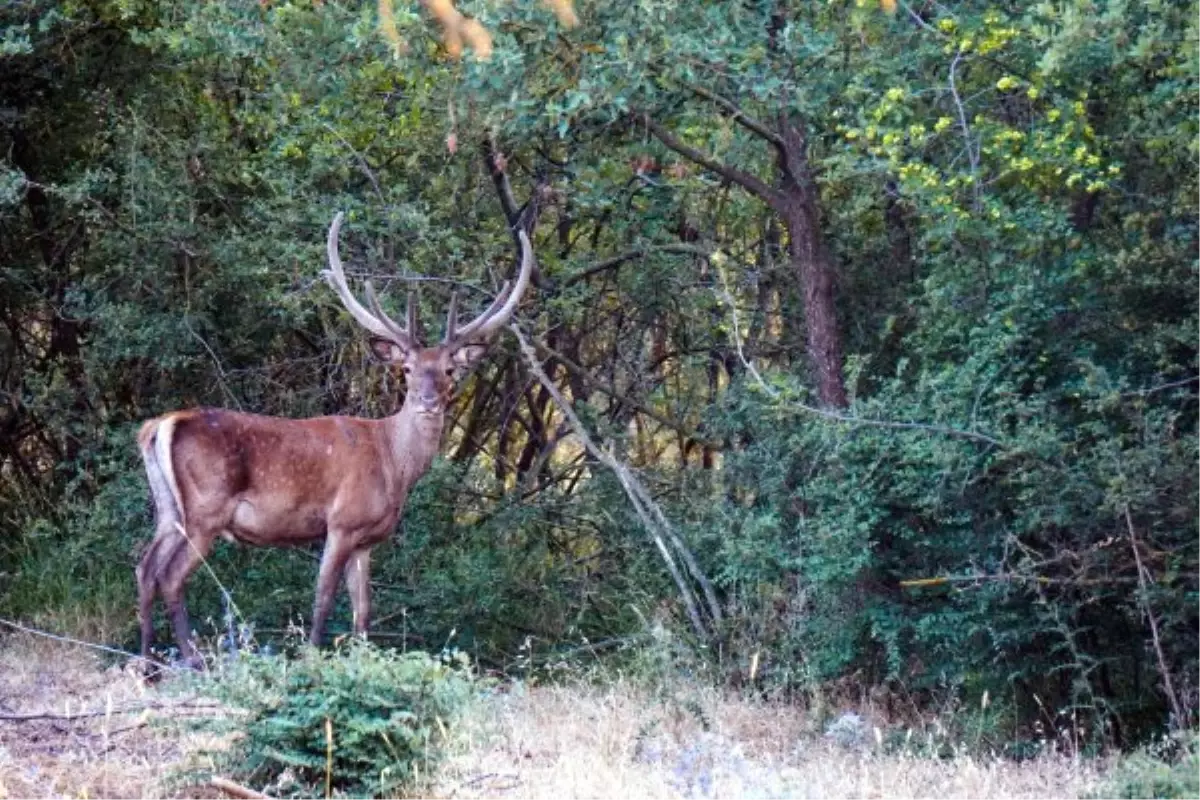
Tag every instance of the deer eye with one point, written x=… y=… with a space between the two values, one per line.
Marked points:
x=407 y=369
x=450 y=371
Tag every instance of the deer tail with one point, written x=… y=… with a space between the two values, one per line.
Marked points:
x=155 y=440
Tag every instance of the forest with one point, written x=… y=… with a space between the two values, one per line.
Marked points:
x=860 y=354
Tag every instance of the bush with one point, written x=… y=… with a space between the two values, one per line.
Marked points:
x=358 y=720
x=1169 y=767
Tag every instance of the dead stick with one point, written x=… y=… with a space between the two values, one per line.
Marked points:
x=179 y=707
x=237 y=790
x=1145 y=578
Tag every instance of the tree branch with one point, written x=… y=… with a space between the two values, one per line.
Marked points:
x=500 y=178
x=1164 y=669
x=236 y=789
x=655 y=523
x=833 y=415
x=606 y=389
x=739 y=116
x=972 y=153
x=754 y=185
x=633 y=255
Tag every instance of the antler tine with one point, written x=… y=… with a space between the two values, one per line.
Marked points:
x=410 y=334
x=336 y=277
x=501 y=309
x=414 y=323
x=451 y=319
x=470 y=328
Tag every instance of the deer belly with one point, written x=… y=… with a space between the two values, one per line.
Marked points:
x=269 y=524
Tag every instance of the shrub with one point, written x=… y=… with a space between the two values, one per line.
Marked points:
x=1169 y=767
x=359 y=720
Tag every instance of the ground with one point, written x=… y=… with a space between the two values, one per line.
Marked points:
x=610 y=739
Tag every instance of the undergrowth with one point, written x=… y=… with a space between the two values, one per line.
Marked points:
x=1168 y=768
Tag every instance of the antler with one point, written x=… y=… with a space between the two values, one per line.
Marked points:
x=375 y=320
x=498 y=313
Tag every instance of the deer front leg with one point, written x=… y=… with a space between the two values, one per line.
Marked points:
x=333 y=562
x=358 y=583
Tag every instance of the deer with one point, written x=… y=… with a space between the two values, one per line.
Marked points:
x=273 y=482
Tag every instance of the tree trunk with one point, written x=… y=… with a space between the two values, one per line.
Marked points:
x=811 y=260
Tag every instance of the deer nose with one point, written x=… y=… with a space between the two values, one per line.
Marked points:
x=427 y=397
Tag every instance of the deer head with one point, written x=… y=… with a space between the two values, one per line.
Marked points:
x=430 y=372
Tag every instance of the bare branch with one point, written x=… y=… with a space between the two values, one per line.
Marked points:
x=919 y=20
x=236 y=789
x=1144 y=578
x=221 y=376
x=652 y=517
x=607 y=389
x=972 y=154
x=362 y=162
x=69 y=640
x=175 y=709
x=1161 y=387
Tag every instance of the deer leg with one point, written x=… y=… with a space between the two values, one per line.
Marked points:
x=147 y=581
x=333 y=562
x=358 y=583
x=188 y=554
x=156 y=557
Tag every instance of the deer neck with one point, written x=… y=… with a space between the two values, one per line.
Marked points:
x=414 y=439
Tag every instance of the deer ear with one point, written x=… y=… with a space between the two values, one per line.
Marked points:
x=386 y=350
x=466 y=356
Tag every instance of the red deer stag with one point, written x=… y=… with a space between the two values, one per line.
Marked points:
x=272 y=482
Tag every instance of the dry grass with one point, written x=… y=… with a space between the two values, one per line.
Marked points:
x=98 y=736
x=589 y=742
x=558 y=741
x=113 y=755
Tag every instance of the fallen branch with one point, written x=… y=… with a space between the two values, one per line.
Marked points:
x=237 y=790
x=1144 y=578
x=108 y=712
x=653 y=520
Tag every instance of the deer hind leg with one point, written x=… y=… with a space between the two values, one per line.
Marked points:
x=162 y=549
x=187 y=553
x=358 y=584
x=333 y=563
x=147 y=573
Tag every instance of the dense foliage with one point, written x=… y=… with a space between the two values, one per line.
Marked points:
x=894 y=315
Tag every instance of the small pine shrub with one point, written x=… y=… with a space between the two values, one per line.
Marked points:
x=368 y=721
